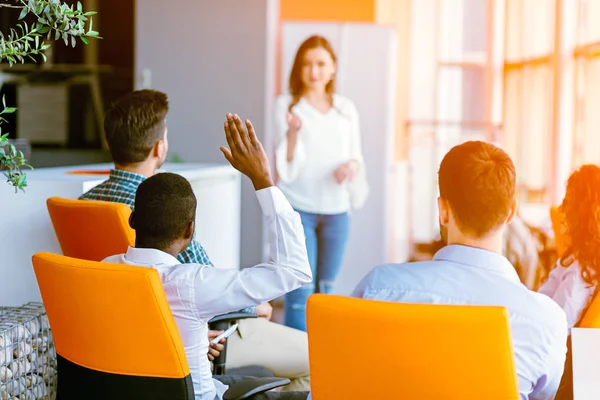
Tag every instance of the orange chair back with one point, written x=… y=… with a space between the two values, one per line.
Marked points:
x=560 y=240
x=91 y=230
x=591 y=318
x=113 y=329
x=365 y=349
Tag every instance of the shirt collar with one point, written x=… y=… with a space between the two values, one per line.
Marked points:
x=126 y=176
x=478 y=258
x=149 y=257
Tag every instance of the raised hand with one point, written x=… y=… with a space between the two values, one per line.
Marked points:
x=294 y=123
x=246 y=153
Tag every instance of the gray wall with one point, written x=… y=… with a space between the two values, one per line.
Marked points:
x=211 y=57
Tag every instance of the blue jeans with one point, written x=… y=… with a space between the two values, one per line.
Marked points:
x=326 y=238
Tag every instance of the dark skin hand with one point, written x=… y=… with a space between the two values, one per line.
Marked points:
x=246 y=153
x=214 y=349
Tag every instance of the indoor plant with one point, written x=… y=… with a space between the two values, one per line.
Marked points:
x=53 y=19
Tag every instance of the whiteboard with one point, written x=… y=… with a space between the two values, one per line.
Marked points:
x=366 y=73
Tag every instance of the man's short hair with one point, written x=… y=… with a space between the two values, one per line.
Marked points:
x=477 y=179
x=164 y=206
x=134 y=124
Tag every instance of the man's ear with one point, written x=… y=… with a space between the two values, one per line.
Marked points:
x=132 y=220
x=443 y=211
x=189 y=230
x=158 y=149
x=512 y=212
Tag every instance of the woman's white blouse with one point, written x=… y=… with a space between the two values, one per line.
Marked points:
x=325 y=141
x=566 y=287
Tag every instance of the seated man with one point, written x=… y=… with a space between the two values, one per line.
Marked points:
x=136 y=133
x=477 y=200
x=164 y=221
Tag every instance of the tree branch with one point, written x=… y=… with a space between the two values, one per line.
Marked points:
x=10 y=6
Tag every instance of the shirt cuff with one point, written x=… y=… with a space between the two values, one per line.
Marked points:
x=272 y=201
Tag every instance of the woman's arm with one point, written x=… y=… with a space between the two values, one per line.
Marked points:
x=290 y=154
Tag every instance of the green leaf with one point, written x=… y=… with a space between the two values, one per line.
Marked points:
x=79 y=6
x=84 y=40
x=24 y=12
x=9 y=110
x=43 y=29
x=90 y=13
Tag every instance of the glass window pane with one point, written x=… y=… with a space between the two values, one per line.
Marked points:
x=461 y=95
x=539 y=27
x=463 y=30
x=589 y=146
x=527 y=106
x=529 y=29
x=591 y=16
x=423 y=60
x=514 y=29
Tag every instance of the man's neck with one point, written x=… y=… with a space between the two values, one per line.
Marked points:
x=171 y=250
x=493 y=243
x=145 y=169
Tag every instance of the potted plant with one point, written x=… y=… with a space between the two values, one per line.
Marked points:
x=54 y=20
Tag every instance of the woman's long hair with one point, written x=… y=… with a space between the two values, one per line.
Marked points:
x=581 y=210
x=296 y=83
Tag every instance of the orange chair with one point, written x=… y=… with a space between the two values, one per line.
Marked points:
x=91 y=230
x=114 y=333
x=560 y=241
x=419 y=351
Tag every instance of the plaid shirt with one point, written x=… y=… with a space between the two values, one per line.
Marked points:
x=120 y=188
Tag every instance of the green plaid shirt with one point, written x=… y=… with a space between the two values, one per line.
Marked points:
x=120 y=188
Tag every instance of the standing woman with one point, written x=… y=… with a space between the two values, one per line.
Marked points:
x=320 y=166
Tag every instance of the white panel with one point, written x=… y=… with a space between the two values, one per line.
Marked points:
x=218 y=230
x=366 y=74
x=586 y=351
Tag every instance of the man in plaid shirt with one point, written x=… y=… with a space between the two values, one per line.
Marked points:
x=136 y=133
x=120 y=188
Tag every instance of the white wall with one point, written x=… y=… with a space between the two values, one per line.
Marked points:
x=211 y=57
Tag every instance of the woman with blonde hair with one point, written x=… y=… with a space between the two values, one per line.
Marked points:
x=574 y=280
x=320 y=165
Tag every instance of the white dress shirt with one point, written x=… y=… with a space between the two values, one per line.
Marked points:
x=325 y=142
x=566 y=287
x=196 y=293
x=466 y=275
